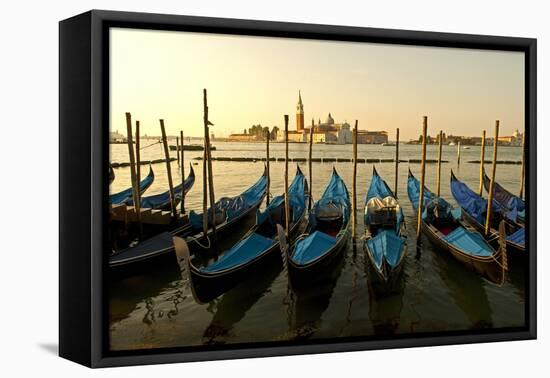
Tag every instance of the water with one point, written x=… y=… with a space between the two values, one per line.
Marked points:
x=437 y=294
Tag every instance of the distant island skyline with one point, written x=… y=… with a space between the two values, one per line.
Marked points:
x=256 y=80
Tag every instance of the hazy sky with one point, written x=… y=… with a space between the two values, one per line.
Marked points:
x=251 y=80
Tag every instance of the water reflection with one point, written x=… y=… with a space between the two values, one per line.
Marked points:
x=234 y=304
x=467 y=291
x=307 y=303
x=436 y=293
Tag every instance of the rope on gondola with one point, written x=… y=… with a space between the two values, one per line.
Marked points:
x=157 y=142
x=199 y=243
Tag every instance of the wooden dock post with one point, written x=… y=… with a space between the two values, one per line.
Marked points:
x=481 y=163
x=168 y=170
x=310 y=159
x=354 y=183
x=267 y=168
x=287 y=209
x=522 y=166
x=458 y=155
x=205 y=176
x=138 y=159
x=439 y=163
x=396 y=161
x=135 y=183
x=491 y=185
x=178 y=149
x=182 y=175
x=209 y=157
x=422 y=178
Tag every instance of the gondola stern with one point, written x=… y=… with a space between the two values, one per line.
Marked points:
x=185 y=264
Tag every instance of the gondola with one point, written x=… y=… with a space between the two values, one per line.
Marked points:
x=514 y=204
x=126 y=195
x=385 y=238
x=442 y=225
x=316 y=252
x=111 y=175
x=232 y=215
x=162 y=201
x=474 y=210
x=257 y=247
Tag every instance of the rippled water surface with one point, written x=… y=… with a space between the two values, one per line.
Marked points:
x=436 y=293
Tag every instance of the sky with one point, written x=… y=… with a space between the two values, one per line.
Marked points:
x=255 y=80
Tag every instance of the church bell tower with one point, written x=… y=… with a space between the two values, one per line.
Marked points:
x=299 y=114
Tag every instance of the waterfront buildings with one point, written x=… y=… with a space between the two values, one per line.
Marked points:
x=328 y=131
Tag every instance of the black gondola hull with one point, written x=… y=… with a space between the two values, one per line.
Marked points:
x=209 y=286
x=235 y=228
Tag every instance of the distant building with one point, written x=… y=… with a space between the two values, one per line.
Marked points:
x=372 y=137
x=516 y=139
x=243 y=138
x=299 y=113
x=327 y=132
x=116 y=137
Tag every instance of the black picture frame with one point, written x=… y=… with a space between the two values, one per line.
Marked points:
x=83 y=181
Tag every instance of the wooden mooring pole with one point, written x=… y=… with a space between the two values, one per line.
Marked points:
x=439 y=163
x=491 y=185
x=458 y=155
x=521 y=188
x=182 y=175
x=168 y=170
x=138 y=159
x=133 y=177
x=422 y=178
x=310 y=159
x=178 y=149
x=481 y=163
x=209 y=157
x=354 y=183
x=267 y=168
x=287 y=209
x=396 y=162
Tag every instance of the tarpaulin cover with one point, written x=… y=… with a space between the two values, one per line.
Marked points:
x=335 y=200
x=469 y=242
x=296 y=197
x=475 y=205
x=312 y=247
x=242 y=252
x=254 y=245
x=517 y=237
x=235 y=206
x=386 y=244
x=504 y=197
